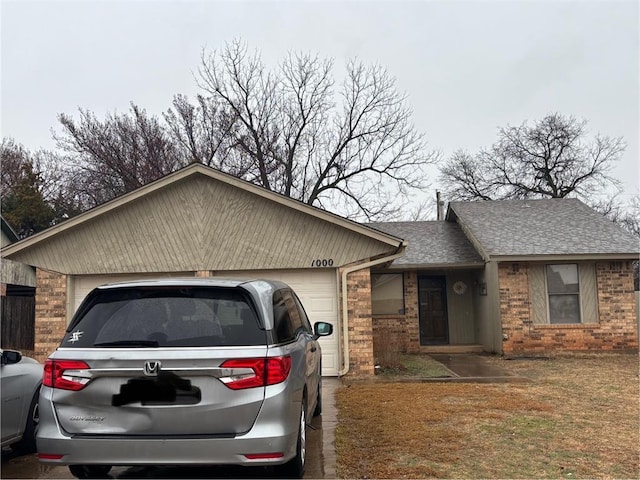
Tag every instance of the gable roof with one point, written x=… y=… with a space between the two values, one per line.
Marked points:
x=11 y=235
x=559 y=227
x=199 y=218
x=432 y=244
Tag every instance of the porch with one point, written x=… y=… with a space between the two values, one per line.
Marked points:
x=427 y=311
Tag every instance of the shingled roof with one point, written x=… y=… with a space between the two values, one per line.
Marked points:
x=545 y=227
x=432 y=244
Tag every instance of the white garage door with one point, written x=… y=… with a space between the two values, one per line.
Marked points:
x=318 y=292
x=316 y=288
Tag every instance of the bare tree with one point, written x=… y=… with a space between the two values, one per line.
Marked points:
x=108 y=158
x=355 y=151
x=12 y=158
x=202 y=131
x=630 y=218
x=551 y=159
x=626 y=214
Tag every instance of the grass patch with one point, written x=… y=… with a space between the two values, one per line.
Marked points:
x=414 y=366
x=579 y=418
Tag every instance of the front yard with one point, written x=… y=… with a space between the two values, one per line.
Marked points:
x=579 y=417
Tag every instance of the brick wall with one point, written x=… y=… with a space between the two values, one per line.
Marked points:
x=51 y=312
x=616 y=329
x=617 y=305
x=399 y=332
x=359 y=324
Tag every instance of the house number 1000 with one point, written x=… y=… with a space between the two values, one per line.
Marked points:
x=324 y=262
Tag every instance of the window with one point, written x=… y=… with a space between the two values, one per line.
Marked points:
x=283 y=326
x=563 y=289
x=387 y=294
x=288 y=319
x=306 y=324
x=166 y=317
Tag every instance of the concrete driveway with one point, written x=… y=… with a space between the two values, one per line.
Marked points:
x=321 y=459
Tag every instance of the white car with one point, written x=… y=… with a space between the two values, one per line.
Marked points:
x=21 y=380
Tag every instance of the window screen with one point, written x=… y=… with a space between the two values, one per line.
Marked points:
x=563 y=288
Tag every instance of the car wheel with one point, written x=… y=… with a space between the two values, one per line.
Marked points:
x=318 y=410
x=28 y=442
x=90 y=471
x=295 y=467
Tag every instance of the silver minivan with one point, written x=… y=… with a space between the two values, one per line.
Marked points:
x=182 y=372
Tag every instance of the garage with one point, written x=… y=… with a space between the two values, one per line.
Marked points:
x=317 y=290
x=200 y=222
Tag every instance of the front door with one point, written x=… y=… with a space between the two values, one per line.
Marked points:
x=434 y=323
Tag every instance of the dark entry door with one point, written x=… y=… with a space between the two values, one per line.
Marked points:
x=434 y=323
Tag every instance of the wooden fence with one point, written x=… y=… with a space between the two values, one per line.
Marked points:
x=18 y=323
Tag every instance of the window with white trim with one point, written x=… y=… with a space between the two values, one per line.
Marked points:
x=563 y=291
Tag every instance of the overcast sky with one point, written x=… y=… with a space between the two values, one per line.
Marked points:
x=468 y=67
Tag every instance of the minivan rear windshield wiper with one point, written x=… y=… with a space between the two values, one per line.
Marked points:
x=128 y=343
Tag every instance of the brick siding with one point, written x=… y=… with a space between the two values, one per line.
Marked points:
x=360 y=325
x=616 y=330
x=51 y=312
x=399 y=332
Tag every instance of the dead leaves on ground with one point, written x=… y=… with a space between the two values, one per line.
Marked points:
x=578 y=419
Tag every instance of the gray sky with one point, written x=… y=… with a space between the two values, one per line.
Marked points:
x=468 y=67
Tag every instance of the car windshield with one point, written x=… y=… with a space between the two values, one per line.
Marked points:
x=165 y=317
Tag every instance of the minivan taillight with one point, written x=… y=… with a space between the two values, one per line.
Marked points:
x=256 y=372
x=65 y=374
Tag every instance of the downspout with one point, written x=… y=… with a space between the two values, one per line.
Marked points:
x=345 y=306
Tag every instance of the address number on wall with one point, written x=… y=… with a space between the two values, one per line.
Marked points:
x=322 y=262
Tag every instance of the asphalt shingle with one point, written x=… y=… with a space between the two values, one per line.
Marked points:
x=542 y=227
x=432 y=243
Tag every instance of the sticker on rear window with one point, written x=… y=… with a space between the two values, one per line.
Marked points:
x=75 y=336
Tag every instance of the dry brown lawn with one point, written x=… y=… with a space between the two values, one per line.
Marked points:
x=579 y=417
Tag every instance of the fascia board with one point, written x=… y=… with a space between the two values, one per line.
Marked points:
x=9 y=232
x=437 y=266
x=565 y=258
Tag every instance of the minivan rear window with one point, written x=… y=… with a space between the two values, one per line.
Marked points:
x=165 y=317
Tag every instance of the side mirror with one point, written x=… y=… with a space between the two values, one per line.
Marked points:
x=322 y=329
x=9 y=357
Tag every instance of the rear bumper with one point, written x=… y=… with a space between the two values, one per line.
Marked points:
x=129 y=452
x=274 y=432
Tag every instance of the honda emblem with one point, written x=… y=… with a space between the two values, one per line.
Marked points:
x=152 y=369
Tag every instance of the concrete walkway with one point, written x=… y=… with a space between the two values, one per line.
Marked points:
x=473 y=368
